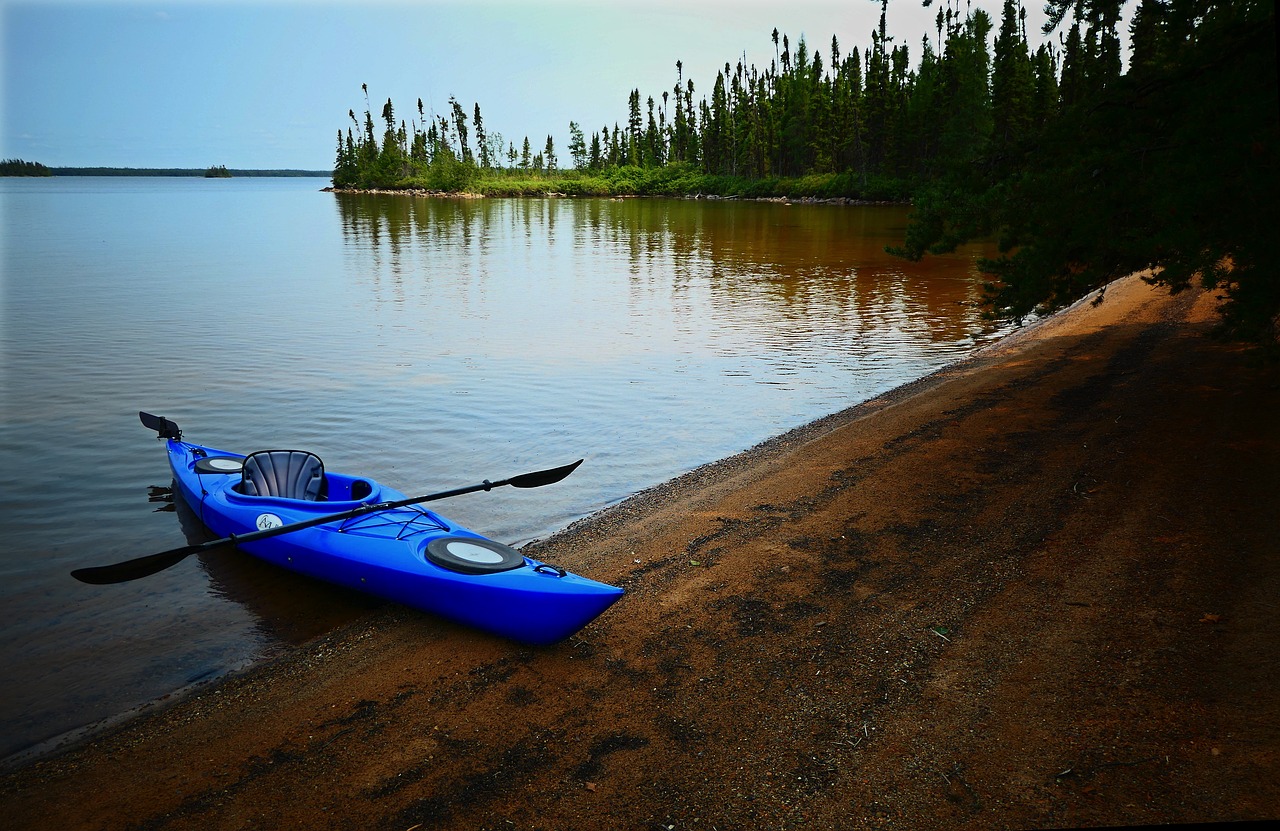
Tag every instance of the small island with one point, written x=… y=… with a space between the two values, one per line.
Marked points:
x=217 y=172
x=17 y=167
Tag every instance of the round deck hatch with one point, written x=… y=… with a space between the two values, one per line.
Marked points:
x=219 y=464
x=469 y=555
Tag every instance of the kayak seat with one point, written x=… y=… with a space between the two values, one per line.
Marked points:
x=289 y=474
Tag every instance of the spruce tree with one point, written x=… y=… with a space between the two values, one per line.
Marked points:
x=577 y=146
x=595 y=160
x=482 y=141
x=1013 y=86
x=549 y=155
x=460 y=128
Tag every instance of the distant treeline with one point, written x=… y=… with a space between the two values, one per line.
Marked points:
x=17 y=167
x=181 y=171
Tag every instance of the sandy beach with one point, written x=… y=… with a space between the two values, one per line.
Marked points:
x=1036 y=589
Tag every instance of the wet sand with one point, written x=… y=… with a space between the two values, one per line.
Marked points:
x=1034 y=590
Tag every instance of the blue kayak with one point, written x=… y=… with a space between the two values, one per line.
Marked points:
x=404 y=553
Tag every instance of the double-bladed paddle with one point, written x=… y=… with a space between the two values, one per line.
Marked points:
x=150 y=564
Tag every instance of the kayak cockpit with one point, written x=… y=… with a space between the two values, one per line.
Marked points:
x=291 y=476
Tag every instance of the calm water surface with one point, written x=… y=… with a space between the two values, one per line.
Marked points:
x=428 y=343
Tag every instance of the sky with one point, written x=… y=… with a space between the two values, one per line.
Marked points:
x=268 y=85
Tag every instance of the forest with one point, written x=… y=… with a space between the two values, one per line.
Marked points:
x=1083 y=170
x=862 y=123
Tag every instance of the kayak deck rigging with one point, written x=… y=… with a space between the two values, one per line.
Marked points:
x=420 y=521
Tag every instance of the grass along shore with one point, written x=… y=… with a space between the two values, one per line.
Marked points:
x=631 y=180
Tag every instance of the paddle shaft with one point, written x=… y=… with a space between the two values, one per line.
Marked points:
x=144 y=566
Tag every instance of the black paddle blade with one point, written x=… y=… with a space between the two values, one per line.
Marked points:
x=543 y=477
x=134 y=569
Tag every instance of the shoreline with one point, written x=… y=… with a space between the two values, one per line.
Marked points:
x=1060 y=629
x=551 y=194
x=78 y=737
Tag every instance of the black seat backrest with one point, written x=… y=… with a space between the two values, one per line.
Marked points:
x=291 y=474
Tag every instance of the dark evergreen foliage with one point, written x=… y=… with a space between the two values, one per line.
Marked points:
x=17 y=167
x=1171 y=167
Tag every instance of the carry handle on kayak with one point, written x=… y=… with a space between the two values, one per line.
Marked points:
x=145 y=566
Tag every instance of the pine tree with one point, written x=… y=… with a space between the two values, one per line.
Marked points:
x=877 y=102
x=633 y=128
x=343 y=167
x=652 y=140
x=693 y=141
x=926 y=110
x=966 y=129
x=482 y=142
x=577 y=146
x=1147 y=37
x=391 y=158
x=680 y=127
x=715 y=157
x=1013 y=85
x=460 y=128
x=549 y=155
x=1045 y=102
x=595 y=160
x=1073 y=86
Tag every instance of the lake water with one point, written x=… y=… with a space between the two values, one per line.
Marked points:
x=428 y=343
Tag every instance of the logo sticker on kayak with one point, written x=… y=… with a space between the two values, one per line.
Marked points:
x=266 y=521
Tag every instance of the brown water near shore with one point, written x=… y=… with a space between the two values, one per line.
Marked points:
x=1035 y=589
